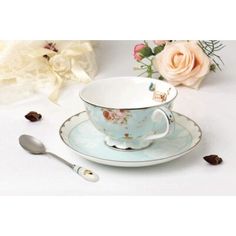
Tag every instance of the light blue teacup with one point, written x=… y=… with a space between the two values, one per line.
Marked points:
x=132 y=112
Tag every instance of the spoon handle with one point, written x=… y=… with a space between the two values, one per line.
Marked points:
x=61 y=159
x=83 y=172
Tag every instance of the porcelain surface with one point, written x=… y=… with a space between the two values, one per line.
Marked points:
x=128 y=92
x=127 y=128
x=130 y=111
x=80 y=135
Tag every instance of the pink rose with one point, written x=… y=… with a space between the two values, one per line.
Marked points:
x=116 y=116
x=182 y=63
x=160 y=42
x=137 y=51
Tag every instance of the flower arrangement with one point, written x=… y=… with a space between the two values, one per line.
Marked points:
x=179 y=62
x=28 y=66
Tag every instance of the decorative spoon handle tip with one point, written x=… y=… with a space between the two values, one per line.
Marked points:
x=86 y=173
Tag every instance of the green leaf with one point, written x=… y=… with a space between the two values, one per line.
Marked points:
x=158 y=49
x=161 y=77
x=146 y=52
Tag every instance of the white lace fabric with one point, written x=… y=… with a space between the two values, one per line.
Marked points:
x=24 y=69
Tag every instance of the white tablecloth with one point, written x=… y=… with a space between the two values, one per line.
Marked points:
x=212 y=107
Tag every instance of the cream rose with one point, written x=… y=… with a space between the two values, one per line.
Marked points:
x=182 y=63
x=60 y=63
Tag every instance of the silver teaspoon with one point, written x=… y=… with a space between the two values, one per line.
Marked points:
x=36 y=147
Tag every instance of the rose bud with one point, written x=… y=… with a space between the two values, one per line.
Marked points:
x=160 y=45
x=160 y=42
x=142 y=50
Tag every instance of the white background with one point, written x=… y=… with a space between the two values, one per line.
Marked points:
x=212 y=107
x=149 y=19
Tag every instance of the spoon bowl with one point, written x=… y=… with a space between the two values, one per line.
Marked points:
x=32 y=145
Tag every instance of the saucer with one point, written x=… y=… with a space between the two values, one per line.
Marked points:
x=79 y=134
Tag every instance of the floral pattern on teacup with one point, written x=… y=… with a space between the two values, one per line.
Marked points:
x=116 y=116
x=158 y=96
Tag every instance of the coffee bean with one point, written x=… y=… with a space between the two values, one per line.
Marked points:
x=213 y=159
x=33 y=116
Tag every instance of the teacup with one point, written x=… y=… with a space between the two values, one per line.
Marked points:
x=132 y=112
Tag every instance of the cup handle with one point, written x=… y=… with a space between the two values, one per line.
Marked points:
x=170 y=122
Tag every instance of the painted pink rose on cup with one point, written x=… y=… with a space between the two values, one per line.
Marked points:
x=182 y=63
x=116 y=115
